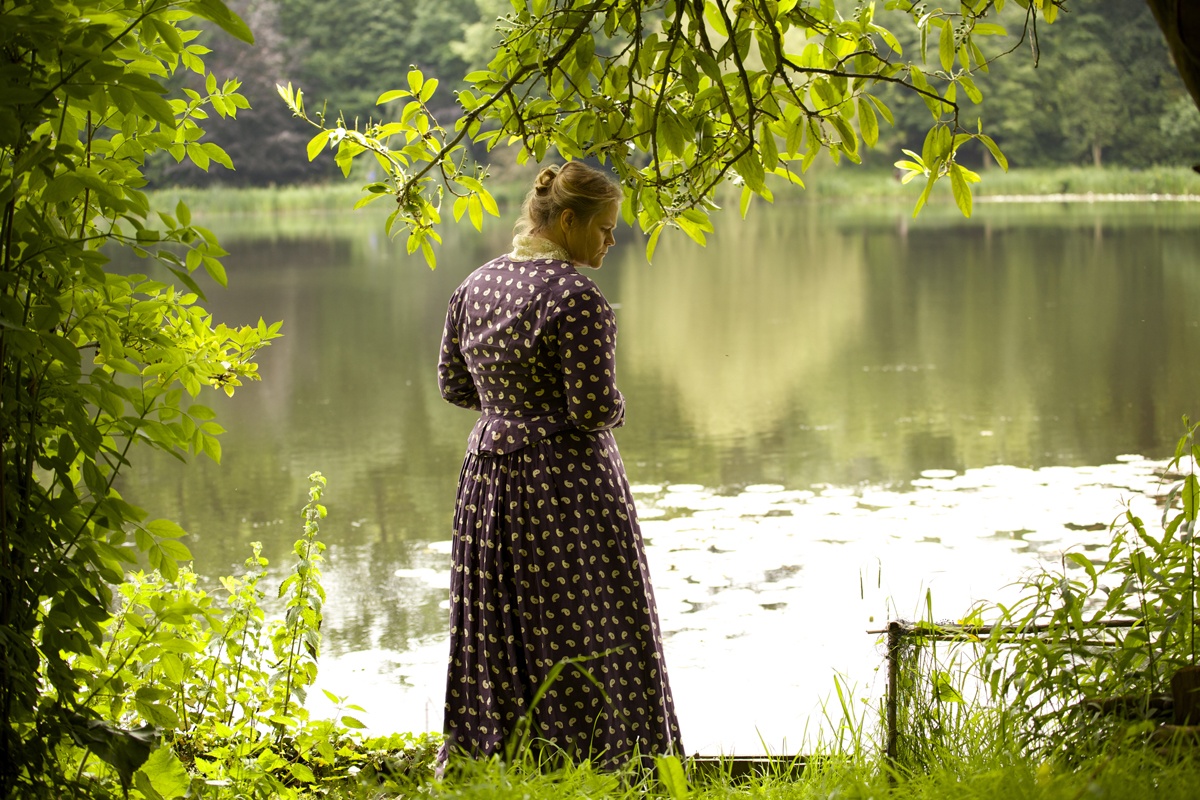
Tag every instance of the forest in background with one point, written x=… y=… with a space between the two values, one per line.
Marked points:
x=1103 y=91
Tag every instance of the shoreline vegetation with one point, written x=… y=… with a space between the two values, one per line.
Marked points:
x=848 y=185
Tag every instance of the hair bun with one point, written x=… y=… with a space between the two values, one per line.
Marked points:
x=545 y=179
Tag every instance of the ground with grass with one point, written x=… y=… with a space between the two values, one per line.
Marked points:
x=1132 y=773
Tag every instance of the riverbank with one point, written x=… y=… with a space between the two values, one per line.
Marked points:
x=846 y=184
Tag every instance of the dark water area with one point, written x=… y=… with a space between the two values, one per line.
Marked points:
x=843 y=379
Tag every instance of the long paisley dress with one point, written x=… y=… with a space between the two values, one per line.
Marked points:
x=549 y=575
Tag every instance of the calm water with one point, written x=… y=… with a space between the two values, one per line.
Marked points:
x=832 y=409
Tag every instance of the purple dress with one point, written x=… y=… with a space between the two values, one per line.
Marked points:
x=549 y=573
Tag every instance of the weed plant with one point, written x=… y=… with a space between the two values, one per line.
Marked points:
x=199 y=694
x=1075 y=675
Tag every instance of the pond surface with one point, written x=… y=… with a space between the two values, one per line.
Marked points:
x=832 y=411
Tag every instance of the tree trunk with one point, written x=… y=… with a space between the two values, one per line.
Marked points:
x=1180 y=23
x=1096 y=148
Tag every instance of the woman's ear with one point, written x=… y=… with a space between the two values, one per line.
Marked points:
x=566 y=219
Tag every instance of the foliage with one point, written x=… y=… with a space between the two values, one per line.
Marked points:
x=1107 y=51
x=679 y=97
x=81 y=108
x=347 y=48
x=264 y=138
x=225 y=687
x=1128 y=81
x=351 y=52
x=1082 y=662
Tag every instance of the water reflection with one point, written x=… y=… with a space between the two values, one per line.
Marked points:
x=829 y=407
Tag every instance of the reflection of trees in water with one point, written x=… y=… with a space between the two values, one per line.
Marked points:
x=871 y=355
x=732 y=334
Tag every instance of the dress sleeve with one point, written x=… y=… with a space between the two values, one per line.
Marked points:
x=453 y=377
x=587 y=346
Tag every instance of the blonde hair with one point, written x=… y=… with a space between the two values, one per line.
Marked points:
x=574 y=186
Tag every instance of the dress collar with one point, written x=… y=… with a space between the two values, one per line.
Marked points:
x=528 y=248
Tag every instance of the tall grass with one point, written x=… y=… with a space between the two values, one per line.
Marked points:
x=868 y=184
x=843 y=184
x=1125 y=774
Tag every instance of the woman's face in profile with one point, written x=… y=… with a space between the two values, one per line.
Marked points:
x=589 y=242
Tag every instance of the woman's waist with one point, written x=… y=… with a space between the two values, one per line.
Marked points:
x=497 y=432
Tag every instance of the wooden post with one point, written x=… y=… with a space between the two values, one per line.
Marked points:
x=1185 y=689
x=894 y=632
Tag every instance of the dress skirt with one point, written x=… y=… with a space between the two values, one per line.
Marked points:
x=551 y=602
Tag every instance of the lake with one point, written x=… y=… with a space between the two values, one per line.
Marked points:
x=833 y=410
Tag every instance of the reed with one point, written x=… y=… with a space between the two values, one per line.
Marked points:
x=874 y=184
x=844 y=184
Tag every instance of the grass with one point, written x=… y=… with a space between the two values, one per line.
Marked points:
x=844 y=184
x=1134 y=773
x=873 y=184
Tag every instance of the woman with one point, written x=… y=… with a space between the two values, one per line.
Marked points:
x=549 y=577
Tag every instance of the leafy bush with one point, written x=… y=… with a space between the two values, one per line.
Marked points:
x=224 y=687
x=1081 y=663
x=92 y=361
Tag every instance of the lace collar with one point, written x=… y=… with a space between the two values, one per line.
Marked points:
x=529 y=248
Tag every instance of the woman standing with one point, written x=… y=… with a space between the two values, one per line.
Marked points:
x=549 y=574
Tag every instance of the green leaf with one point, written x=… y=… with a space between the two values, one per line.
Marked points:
x=1082 y=560
x=415 y=81
x=165 y=529
x=695 y=224
x=427 y=89
x=475 y=211
x=994 y=150
x=868 y=125
x=217 y=154
x=167 y=33
x=883 y=109
x=317 y=143
x=969 y=87
x=670 y=133
x=988 y=29
x=766 y=147
x=585 y=49
x=652 y=244
x=670 y=774
x=751 y=170
x=1191 y=497
x=155 y=107
x=198 y=155
x=394 y=94
x=962 y=192
x=946 y=48
x=713 y=16
x=166 y=774
x=928 y=95
x=218 y=12
x=215 y=270
x=489 y=202
x=925 y=193
x=302 y=773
